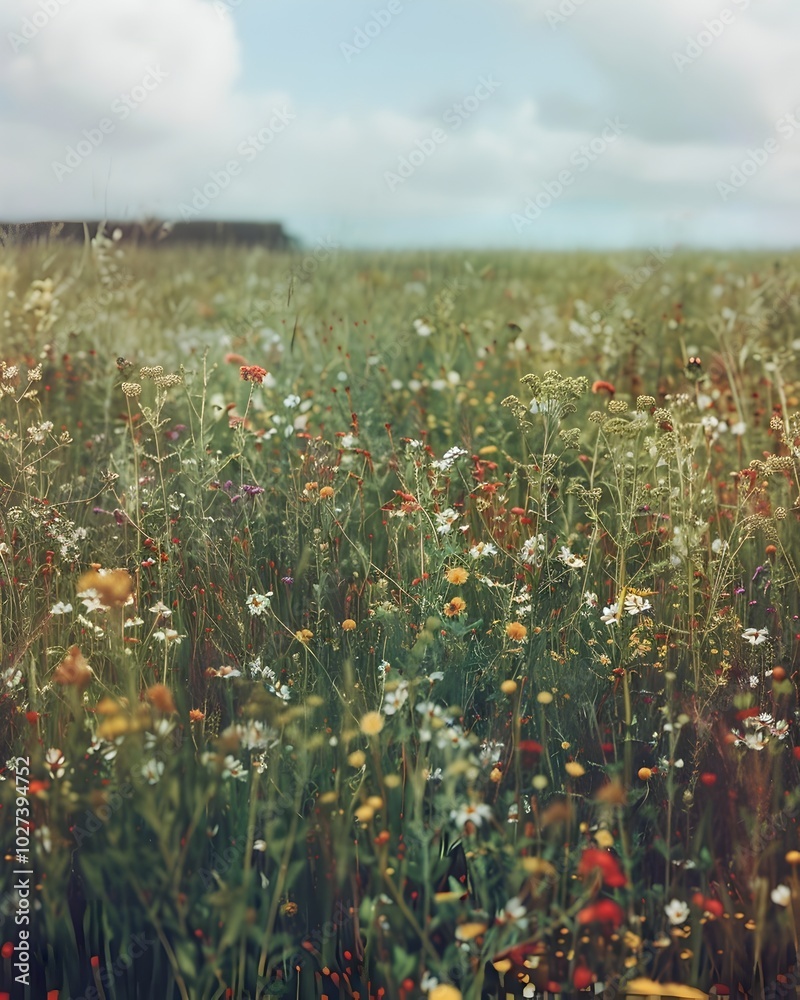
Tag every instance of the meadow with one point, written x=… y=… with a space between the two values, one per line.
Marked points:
x=398 y=625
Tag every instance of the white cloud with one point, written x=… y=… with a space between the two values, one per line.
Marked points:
x=685 y=130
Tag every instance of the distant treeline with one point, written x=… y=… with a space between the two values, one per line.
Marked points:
x=153 y=232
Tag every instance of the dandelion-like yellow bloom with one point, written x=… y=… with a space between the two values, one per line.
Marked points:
x=516 y=631
x=325 y=492
x=544 y=697
x=457 y=575
x=364 y=814
x=357 y=758
x=371 y=723
x=304 y=635
x=574 y=769
x=508 y=687
x=455 y=607
x=348 y=625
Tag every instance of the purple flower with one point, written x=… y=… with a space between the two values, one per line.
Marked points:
x=251 y=491
x=288 y=580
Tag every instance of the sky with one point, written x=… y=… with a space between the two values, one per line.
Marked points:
x=547 y=124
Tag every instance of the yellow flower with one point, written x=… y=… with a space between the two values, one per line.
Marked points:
x=357 y=758
x=508 y=687
x=364 y=814
x=457 y=575
x=454 y=608
x=574 y=769
x=445 y=992
x=371 y=723
x=516 y=631
x=348 y=625
x=544 y=697
x=325 y=492
x=304 y=635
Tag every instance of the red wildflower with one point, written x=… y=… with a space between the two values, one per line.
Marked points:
x=601 y=386
x=252 y=373
x=604 y=911
x=582 y=977
x=593 y=859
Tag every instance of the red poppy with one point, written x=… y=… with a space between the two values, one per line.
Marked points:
x=593 y=859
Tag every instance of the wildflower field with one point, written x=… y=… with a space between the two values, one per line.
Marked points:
x=397 y=625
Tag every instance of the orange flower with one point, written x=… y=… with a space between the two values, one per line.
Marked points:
x=454 y=607
x=113 y=588
x=195 y=715
x=348 y=625
x=457 y=575
x=304 y=635
x=160 y=697
x=516 y=631
x=252 y=373
x=74 y=670
x=325 y=492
